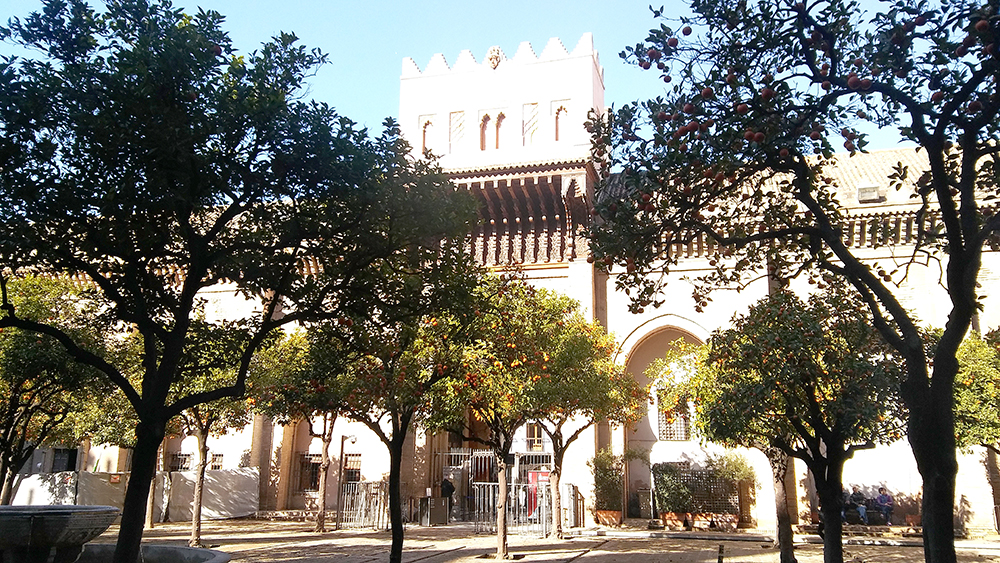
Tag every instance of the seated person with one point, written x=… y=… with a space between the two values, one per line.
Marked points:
x=885 y=504
x=857 y=501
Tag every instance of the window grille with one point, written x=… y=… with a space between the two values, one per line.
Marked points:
x=534 y=432
x=352 y=467
x=674 y=426
x=216 y=463
x=308 y=472
x=180 y=462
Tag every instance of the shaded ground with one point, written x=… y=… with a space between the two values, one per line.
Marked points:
x=253 y=541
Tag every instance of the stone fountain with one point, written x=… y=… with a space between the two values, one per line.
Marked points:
x=57 y=534
x=33 y=534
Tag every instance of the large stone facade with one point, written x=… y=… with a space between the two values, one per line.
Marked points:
x=510 y=130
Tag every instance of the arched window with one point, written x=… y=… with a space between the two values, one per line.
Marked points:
x=483 y=126
x=559 y=114
x=423 y=137
x=500 y=118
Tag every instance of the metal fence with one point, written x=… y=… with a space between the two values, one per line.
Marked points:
x=364 y=504
x=528 y=508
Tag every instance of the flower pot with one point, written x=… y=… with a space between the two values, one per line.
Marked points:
x=715 y=521
x=676 y=520
x=608 y=517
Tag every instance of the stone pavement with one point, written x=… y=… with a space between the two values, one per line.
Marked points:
x=254 y=541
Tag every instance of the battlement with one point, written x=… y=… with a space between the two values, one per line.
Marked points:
x=495 y=58
x=503 y=111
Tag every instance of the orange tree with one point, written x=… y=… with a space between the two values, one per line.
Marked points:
x=291 y=390
x=211 y=358
x=41 y=386
x=140 y=152
x=493 y=396
x=977 y=400
x=764 y=90
x=813 y=379
x=583 y=386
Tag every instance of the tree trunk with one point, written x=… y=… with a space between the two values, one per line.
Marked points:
x=324 y=471
x=148 y=438
x=6 y=484
x=931 y=432
x=395 y=495
x=502 y=552
x=779 y=470
x=937 y=517
x=554 y=479
x=993 y=475
x=831 y=499
x=199 y=489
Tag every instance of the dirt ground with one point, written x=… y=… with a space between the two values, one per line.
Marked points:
x=253 y=541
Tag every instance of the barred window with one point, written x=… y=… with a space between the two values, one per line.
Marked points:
x=180 y=462
x=308 y=472
x=352 y=467
x=216 y=463
x=674 y=425
x=534 y=435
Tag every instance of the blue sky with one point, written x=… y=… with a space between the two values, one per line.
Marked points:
x=367 y=41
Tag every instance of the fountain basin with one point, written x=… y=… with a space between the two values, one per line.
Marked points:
x=33 y=533
x=103 y=552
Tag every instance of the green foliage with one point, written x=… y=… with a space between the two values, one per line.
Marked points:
x=672 y=494
x=41 y=386
x=141 y=153
x=733 y=467
x=583 y=380
x=702 y=490
x=508 y=354
x=733 y=158
x=977 y=392
x=609 y=478
x=795 y=374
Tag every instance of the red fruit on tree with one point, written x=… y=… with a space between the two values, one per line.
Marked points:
x=653 y=54
x=920 y=20
x=742 y=108
x=768 y=93
x=758 y=138
x=689 y=108
x=826 y=85
x=661 y=115
x=866 y=84
x=748 y=136
x=687 y=30
x=975 y=106
x=667 y=79
x=672 y=42
x=783 y=153
x=708 y=93
x=644 y=64
x=854 y=83
x=815 y=135
x=937 y=96
x=982 y=26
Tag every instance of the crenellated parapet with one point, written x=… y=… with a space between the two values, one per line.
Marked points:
x=497 y=110
x=494 y=58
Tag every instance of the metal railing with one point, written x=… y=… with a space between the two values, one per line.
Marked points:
x=365 y=505
x=528 y=508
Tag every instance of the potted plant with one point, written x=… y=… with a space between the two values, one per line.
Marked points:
x=672 y=495
x=609 y=474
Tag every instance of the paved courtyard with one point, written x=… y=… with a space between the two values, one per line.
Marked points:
x=254 y=541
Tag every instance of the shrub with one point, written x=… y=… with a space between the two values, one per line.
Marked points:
x=609 y=472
